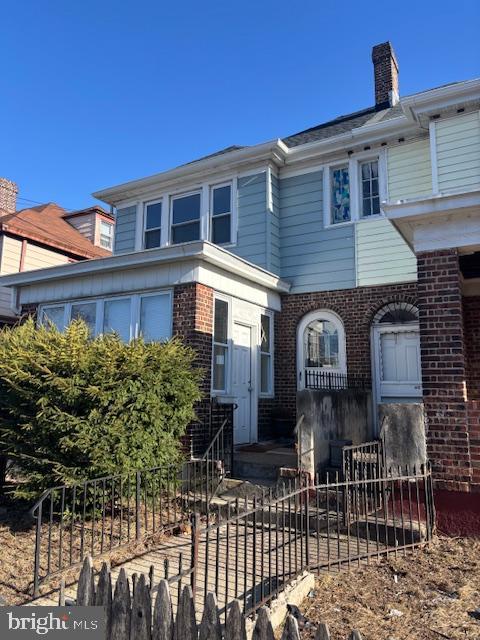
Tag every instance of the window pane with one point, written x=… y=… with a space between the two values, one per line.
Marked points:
x=186 y=208
x=340 y=194
x=366 y=189
x=186 y=233
x=265 y=334
x=155 y=318
x=375 y=187
x=86 y=311
x=154 y=216
x=321 y=345
x=116 y=318
x=265 y=373
x=376 y=205
x=55 y=316
x=374 y=168
x=221 y=200
x=367 y=207
x=366 y=171
x=220 y=332
x=219 y=367
x=152 y=239
x=221 y=230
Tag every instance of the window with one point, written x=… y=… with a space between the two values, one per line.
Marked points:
x=153 y=225
x=106 y=235
x=54 y=316
x=321 y=345
x=148 y=315
x=155 y=317
x=266 y=354
x=117 y=317
x=221 y=208
x=186 y=218
x=340 y=195
x=86 y=311
x=220 y=346
x=370 y=198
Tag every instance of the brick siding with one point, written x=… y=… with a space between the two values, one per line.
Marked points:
x=443 y=350
x=356 y=308
x=471 y=316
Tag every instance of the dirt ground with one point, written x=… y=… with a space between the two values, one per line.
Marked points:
x=431 y=594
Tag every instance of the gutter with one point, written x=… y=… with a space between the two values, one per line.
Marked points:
x=201 y=250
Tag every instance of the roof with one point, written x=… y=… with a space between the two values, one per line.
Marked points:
x=342 y=124
x=46 y=224
x=96 y=209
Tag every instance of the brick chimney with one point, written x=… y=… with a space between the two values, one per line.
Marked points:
x=385 y=69
x=8 y=196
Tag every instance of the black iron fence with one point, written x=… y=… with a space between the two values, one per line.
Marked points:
x=331 y=381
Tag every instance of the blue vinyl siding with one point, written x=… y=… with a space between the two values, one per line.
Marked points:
x=313 y=258
x=274 y=264
x=252 y=220
x=125 y=230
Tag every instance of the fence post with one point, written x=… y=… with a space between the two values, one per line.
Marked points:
x=307 y=526
x=194 y=551
x=138 y=480
x=38 y=536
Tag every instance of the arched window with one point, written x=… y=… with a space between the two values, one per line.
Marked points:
x=321 y=343
x=397 y=313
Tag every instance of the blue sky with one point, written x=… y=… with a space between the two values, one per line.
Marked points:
x=97 y=92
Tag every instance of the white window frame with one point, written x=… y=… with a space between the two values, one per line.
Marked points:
x=135 y=298
x=144 y=222
x=361 y=162
x=354 y=170
x=335 y=319
x=171 y=226
x=271 y=391
x=109 y=225
x=228 y=344
x=212 y=187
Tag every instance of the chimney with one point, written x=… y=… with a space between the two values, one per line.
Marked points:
x=385 y=68
x=8 y=196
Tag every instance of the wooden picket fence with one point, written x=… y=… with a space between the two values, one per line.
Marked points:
x=143 y=611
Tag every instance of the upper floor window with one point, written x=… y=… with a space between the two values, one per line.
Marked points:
x=186 y=218
x=221 y=214
x=340 y=194
x=153 y=225
x=370 y=196
x=106 y=235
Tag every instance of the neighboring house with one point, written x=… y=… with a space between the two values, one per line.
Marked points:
x=351 y=247
x=45 y=236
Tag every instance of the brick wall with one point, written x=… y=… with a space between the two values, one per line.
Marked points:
x=356 y=307
x=471 y=316
x=193 y=322
x=444 y=367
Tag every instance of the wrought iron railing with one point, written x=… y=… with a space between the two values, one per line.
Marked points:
x=332 y=381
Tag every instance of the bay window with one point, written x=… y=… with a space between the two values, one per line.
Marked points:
x=221 y=214
x=185 y=218
x=55 y=316
x=86 y=311
x=220 y=346
x=155 y=317
x=117 y=317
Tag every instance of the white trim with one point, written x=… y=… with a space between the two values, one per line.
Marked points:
x=161 y=228
x=331 y=316
x=210 y=216
x=202 y=250
x=271 y=392
x=228 y=365
x=433 y=156
x=268 y=190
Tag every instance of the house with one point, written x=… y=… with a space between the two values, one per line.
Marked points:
x=46 y=235
x=351 y=248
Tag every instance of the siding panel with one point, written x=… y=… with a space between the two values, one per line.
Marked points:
x=125 y=230
x=383 y=257
x=312 y=258
x=10 y=251
x=252 y=220
x=409 y=170
x=458 y=152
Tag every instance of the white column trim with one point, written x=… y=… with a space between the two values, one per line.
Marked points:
x=433 y=155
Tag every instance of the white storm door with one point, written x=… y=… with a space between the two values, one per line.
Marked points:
x=398 y=363
x=242 y=388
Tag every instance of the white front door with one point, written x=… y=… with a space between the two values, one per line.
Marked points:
x=397 y=360
x=242 y=386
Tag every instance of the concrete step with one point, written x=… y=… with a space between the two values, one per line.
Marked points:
x=261 y=466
